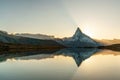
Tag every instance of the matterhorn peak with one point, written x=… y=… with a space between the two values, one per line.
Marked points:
x=79 y=39
x=78 y=29
x=78 y=33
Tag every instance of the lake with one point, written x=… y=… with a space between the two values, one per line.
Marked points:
x=65 y=64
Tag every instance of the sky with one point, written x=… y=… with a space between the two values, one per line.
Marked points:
x=99 y=19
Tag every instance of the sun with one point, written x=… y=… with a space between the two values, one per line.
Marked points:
x=88 y=32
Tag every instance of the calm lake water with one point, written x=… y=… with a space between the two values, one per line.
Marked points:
x=65 y=64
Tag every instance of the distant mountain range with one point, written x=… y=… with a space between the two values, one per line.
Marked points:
x=49 y=37
x=79 y=39
x=109 y=42
x=13 y=41
x=36 y=36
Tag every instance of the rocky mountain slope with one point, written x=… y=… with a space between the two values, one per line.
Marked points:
x=79 y=39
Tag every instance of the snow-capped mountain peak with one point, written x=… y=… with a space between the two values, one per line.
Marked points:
x=78 y=31
x=78 y=34
x=79 y=39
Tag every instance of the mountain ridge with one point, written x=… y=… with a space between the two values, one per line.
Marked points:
x=79 y=39
x=36 y=36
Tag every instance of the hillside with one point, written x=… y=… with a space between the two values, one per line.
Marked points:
x=109 y=42
x=8 y=41
x=36 y=36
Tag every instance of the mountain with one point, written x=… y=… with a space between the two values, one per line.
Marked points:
x=6 y=38
x=109 y=42
x=17 y=41
x=36 y=36
x=79 y=39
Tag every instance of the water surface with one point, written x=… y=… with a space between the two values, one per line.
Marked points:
x=65 y=64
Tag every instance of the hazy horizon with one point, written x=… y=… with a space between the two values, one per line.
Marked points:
x=98 y=19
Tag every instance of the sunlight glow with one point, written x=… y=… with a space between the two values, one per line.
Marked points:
x=88 y=31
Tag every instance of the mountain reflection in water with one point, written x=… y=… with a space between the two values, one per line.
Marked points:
x=64 y=64
x=78 y=54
